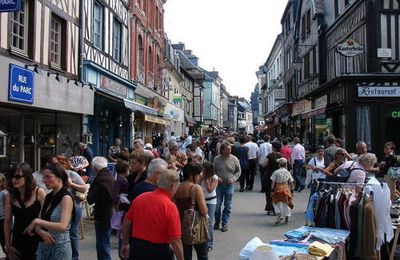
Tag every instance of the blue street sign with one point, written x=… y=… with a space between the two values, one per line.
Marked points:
x=10 y=6
x=21 y=84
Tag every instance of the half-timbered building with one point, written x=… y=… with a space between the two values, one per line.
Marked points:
x=362 y=51
x=105 y=50
x=42 y=101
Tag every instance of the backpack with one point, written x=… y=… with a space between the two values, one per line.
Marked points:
x=343 y=174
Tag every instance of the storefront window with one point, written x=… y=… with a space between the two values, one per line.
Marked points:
x=10 y=122
x=364 y=125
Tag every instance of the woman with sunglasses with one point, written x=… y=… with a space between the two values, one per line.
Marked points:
x=55 y=217
x=23 y=202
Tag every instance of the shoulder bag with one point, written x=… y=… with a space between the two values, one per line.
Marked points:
x=194 y=225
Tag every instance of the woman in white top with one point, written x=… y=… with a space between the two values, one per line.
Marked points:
x=209 y=184
x=317 y=165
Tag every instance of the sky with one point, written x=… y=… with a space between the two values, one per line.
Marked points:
x=232 y=37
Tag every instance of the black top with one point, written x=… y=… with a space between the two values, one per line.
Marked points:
x=272 y=163
x=141 y=188
x=100 y=193
x=391 y=161
x=23 y=216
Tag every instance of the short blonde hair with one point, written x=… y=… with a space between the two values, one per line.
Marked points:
x=367 y=159
x=282 y=162
x=168 y=179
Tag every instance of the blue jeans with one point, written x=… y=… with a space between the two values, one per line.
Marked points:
x=74 y=233
x=103 y=245
x=211 y=221
x=224 y=194
x=297 y=174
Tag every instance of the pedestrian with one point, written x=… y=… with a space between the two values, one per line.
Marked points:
x=359 y=168
x=138 y=165
x=114 y=152
x=389 y=160
x=38 y=177
x=22 y=205
x=183 y=200
x=209 y=183
x=339 y=159
x=298 y=159
x=330 y=150
x=3 y=194
x=54 y=222
x=361 y=148
x=227 y=168
x=138 y=145
x=242 y=153
x=265 y=149
x=75 y=184
x=87 y=152
x=317 y=166
x=286 y=151
x=100 y=194
x=281 y=187
x=271 y=165
x=178 y=157
x=253 y=151
x=156 y=228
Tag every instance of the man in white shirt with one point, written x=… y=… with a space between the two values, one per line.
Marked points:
x=172 y=138
x=252 y=154
x=298 y=158
x=264 y=150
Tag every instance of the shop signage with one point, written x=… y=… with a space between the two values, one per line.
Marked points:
x=373 y=91
x=21 y=85
x=384 y=53
x=395 y=114
x=156 y=120
x=177 y=98
x=113 y=86
x=301 y=107
x=350 y=48
x=321 y=102
x=10 y=5
x=173 y=112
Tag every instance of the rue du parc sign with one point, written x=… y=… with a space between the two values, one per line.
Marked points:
x=10 y=5
x=21 y=85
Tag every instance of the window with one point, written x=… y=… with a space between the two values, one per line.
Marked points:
x=308 y=24
x=287 y=25
x=98 y=25
x=55 y=42
x=336 y=4
x=346 y=3
x=117 y=40
x=19 y=29
x=303 y=27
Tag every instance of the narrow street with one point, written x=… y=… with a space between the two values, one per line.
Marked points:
x=248 y=220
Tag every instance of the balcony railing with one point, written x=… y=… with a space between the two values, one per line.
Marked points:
x=150 y=80
x=140 y=77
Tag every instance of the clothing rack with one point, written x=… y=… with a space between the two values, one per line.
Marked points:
x=346 y=183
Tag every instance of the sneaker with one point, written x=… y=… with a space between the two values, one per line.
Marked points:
x=241 y=190
x=287 y=219
x=216 y=226
x=278 y=220
x=209 y=248
x=224 y=228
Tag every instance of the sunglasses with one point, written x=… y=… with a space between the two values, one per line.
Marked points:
x=17 y=176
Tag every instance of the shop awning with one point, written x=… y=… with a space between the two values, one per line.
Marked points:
x=139 y=107
x=157 y=120
x=313 y=113
x=190 y=120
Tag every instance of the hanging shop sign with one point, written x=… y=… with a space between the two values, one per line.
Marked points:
x=10 y=6
x=301 y=107
x=378 y=91
x=350 y=48
x=21 y=85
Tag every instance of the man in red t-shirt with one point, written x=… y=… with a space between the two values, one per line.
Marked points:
x=155 y=223
x=286 y=151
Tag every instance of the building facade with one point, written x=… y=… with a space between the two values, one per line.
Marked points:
x=43 y=103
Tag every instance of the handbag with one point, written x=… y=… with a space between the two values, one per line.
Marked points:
x=194 y=225
x=309 y=173
x=116 y=219
x=394 y=173
x=81 y=196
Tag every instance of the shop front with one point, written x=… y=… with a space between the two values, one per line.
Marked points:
x=283 y=112
x=300 y=126
x=112 y=118
x=40 y=115
x=176 y=118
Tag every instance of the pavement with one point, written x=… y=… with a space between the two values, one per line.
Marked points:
x=248 y=220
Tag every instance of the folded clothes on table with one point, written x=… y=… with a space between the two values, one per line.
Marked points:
x=328 y=235
x=320 y=249
x=285 y=250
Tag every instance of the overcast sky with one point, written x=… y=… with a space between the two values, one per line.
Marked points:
x=231 y=36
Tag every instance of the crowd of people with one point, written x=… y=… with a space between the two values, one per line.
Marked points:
x=146 y=198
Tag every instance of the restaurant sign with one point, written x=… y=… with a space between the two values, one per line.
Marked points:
x=377 y=91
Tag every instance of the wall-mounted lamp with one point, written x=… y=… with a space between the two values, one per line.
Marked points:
x=54 y=73
x=35 y=69
x=76 y=82
x=92 y=86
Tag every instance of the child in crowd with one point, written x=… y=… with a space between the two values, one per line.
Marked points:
x=209 y=184
x=281 y=187
x=3 y=193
